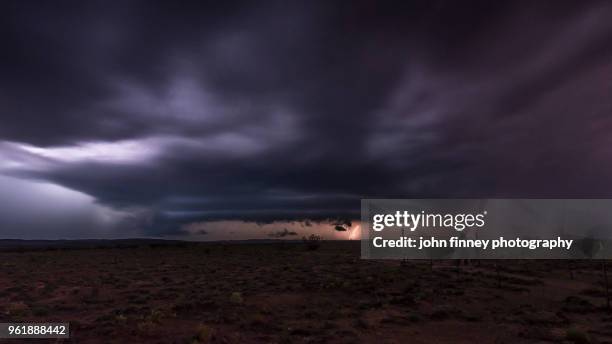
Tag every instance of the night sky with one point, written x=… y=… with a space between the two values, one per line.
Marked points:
x=273 y=119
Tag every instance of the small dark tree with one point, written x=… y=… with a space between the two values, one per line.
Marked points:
x=313 y=242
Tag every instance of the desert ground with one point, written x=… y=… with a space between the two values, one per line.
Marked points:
x=288 y=293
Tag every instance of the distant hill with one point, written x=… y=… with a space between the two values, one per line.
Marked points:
x=19 y=245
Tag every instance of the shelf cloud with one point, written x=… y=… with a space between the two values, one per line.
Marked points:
x=150 y=116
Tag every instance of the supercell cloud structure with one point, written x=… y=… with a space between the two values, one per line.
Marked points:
x=147 y=116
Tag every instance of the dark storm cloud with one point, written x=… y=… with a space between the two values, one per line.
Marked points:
x=296 y=110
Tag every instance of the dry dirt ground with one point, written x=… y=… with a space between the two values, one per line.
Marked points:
x=273 y=293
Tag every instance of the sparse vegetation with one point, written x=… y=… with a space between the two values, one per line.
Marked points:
x=263 y=294
x=236 y=298
x=204 y=334
x=577 y=336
